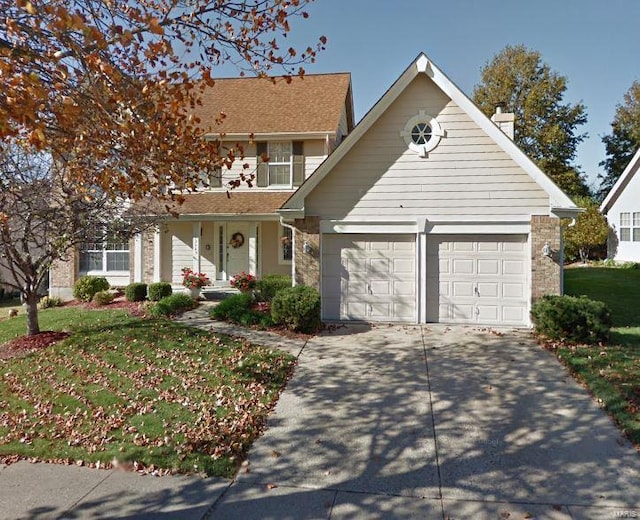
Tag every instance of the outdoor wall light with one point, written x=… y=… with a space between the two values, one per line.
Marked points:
x=307 y=248
x=546 y=249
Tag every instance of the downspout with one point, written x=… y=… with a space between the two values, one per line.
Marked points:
x=293 y=245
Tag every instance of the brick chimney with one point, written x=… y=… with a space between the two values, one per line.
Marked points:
x=504 y=120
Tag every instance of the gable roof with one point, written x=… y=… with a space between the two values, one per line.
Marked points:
x=621 y=183
x=313 y=103
x=559 y=201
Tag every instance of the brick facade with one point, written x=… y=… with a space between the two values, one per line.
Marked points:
x=546 y=271
x=307 y=268
x=63 y=275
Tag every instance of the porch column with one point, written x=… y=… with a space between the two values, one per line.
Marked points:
x=137 y=262
x=253 y=248
x=197 y=233
x=157 y=250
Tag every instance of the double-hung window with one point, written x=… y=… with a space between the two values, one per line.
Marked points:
x=280 y=164
x=106 y=255
x=630 y=227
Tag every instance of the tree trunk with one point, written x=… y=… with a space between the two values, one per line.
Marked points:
x=31 y=302
x=584 y=254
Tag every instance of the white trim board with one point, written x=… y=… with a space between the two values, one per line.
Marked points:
x=621 y=183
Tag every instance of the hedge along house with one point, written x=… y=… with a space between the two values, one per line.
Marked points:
x=428 y=212
x=223 y=232
x=621 y=206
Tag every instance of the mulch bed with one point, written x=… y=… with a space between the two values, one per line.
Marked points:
x=23 y=345
x=133 y=307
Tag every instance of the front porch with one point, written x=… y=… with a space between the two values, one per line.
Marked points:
x=220 y=249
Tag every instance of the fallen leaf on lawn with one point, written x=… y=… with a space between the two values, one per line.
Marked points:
x=272 y=486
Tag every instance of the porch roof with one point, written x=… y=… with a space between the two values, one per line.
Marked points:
x=233 y=203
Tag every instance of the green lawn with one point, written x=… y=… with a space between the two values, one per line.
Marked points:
x=618 y=288
x=150 y=391
x=612 y=371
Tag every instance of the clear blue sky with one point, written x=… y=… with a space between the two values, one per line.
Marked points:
x=595 y=44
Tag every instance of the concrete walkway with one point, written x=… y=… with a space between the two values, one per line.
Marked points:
x=386 y=422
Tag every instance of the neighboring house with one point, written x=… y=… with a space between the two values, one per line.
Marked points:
x=622 y=209
x=428 y=212
x=296 y=125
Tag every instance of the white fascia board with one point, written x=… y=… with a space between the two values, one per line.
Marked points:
x=297 y=199
x=567 y=212
x=369 y=227
x=478 y=228
x=621 y=183
x=291 y=214
x=558 y=198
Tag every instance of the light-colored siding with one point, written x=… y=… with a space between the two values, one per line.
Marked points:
x=179 y=238
x=628 y=202
x=270 y=238
x=466 y=175
x=314 y=154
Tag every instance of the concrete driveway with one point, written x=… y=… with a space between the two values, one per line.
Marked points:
x=434 y=422
x=386 y=422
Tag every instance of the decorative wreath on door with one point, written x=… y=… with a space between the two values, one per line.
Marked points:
x=237 y=239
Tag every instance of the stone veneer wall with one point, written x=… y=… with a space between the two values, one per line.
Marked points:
x=307 y=268
x=546 y=272
x=148 y=238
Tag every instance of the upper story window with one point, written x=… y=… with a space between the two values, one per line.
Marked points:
x=630 y=227
x=211 y=179
x=285 y=165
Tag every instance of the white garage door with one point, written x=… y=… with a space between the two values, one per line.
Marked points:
x=368 y=277
x=478 y=279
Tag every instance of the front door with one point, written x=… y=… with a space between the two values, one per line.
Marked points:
x=237 y=247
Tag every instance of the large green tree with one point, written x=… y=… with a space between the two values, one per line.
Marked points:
x=588 y=232
x=623 y=141
x=546 y=128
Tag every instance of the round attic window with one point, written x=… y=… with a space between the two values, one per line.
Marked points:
x=422 y=133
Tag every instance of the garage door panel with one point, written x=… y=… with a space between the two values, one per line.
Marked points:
x=403 y=266
x=489 y=266
x=462 y=289
x=462 y=266
x=488 y=290
x=512 y=290
x=477 y=279
x=513 y=267
x=377 y=277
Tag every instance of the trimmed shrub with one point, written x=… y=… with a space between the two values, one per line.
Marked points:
x=173 y=304
x=87 y=286
x=48 y=302
x=157 y=291
x=575 y=319
x=270 y=285
x=238 y=308
x=103 y=298
x=136 y=292
x=297 y=308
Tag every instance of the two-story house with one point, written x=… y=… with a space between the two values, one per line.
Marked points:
x=222 y=232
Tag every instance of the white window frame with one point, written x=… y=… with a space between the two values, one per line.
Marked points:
x=436 y=134
x=282 y=232
x=629 y=226
x=101 y=248
x=288 y=163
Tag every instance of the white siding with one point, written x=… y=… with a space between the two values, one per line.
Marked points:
x=180 y=237
x=314 y=154
x=628 y=202
x=467 y=174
